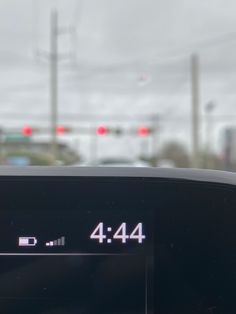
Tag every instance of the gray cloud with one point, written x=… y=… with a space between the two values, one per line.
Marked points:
x=117 y=42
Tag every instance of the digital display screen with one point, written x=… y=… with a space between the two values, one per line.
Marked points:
x=116 y=245
x=79 y=258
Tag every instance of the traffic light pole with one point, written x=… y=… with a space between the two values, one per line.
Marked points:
x=93 y=146
x=54 y=81
x=155 y=120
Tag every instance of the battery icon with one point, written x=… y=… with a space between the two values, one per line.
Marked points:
x=27 y=241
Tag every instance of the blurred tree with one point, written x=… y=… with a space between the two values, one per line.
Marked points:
x=177 y=153
x=211 y=161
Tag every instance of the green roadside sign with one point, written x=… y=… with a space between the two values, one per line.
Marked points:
x=15 y=137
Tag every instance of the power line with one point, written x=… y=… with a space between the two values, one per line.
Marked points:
x=93 y=117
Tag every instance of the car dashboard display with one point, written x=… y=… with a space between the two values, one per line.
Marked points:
x=117 y=241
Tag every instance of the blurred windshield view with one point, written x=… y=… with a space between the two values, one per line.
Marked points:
x=118 y=83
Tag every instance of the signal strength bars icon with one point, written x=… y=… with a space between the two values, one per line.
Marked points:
x=59 y=242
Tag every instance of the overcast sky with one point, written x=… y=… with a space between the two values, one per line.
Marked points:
x=117 y=43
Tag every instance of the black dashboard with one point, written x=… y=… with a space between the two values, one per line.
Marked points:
x=118 y=241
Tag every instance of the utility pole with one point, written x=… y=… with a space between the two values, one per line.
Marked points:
x=54 y=58
x=195 y=110
x=54 y=80
x=210 y=106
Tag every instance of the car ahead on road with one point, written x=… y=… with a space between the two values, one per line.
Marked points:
x=115 y=162
x=121 y=162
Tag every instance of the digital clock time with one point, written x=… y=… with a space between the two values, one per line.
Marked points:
x=120 y=233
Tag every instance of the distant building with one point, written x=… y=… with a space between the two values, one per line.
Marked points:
x=229 y=149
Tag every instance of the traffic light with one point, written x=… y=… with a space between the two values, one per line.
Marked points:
x=101 y=130
x=27 y=130
x=143 y=131
x=60 y=130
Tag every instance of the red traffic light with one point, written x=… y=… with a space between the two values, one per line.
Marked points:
x=27 y=130
x=143 y=131
x=60 y=130
x=101 y=130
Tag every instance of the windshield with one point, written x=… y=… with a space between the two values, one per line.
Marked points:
x=127 y=82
